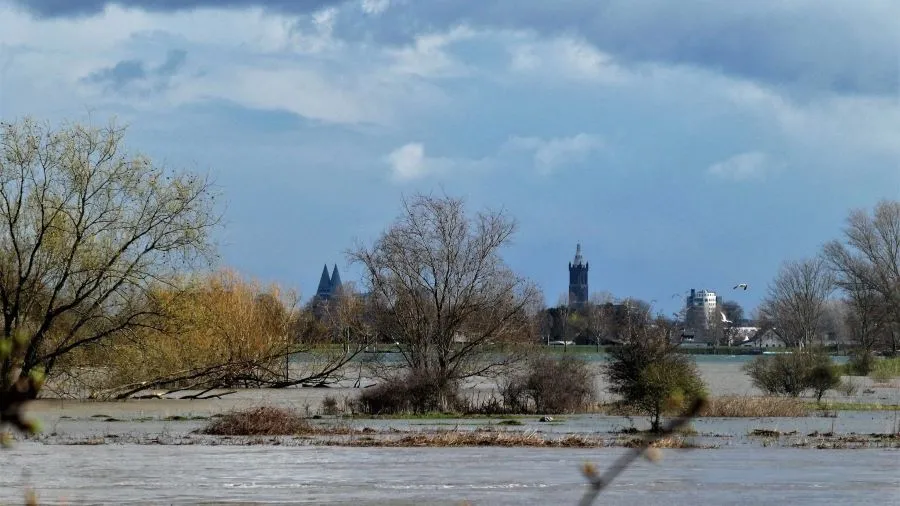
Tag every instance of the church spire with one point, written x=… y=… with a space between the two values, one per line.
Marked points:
x=579 y=260
x=324 y=282
x=335 y=280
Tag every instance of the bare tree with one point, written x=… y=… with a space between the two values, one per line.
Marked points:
x=867 y=267
x=796 y=300
x=86 y=231
x=865 y=318
x=443 y=292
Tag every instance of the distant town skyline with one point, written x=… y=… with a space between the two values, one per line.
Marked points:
x=683 y=144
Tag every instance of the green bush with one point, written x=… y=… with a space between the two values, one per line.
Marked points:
x=652 y=377
x=792 y=374
x=861 y=363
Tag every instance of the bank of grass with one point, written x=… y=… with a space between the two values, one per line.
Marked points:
x=755 y=407
x=853 y=406
x=885 y=369
x=704 y=350
x=267 y=421
x=441 y=416
x=733 y=407
x=724 y=407
x=453 y=438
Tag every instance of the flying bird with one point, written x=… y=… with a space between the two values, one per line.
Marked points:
x=740 y=285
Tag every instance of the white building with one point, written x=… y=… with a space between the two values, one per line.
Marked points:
x=702 y=306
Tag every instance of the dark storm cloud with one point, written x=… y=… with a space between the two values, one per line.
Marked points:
x=810 y=45
x=835 y=46
x=74 y=8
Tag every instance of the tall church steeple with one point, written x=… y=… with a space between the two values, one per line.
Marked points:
x=324 y=289
x=335 y=281
x=578 y=280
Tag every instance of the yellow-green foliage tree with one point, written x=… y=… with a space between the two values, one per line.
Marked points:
x=221 y=331
x=87 y=230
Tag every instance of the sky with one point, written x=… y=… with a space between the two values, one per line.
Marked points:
x=688 y=144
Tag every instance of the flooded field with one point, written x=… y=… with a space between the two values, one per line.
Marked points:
x=147 y=452
x=130 y=474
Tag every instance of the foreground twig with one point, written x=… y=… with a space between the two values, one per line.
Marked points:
x=599 y=482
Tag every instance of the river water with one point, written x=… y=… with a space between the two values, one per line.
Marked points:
x=142 y=474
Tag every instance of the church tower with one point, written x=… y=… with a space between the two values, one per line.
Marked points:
x=578 y=280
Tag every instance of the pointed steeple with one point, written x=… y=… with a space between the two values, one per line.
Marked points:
x=335 y=280
x=324 y=283
x=579 y=260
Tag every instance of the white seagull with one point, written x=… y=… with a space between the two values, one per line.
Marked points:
x=740 y=285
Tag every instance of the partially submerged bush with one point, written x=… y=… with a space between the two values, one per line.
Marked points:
x=860 y=363
x=821 y=378
x=330 y=405
x=848 y=388
x=261 y=421
x=651 y=376
x=549 y=385
x=413 y=392
x=791 y=374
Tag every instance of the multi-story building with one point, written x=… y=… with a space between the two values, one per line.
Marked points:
x=702 y=309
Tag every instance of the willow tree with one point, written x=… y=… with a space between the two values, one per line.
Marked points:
x=444 y=294
x=88 y=230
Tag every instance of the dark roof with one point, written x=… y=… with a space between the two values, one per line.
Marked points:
x=324 y=281
x=335 y=279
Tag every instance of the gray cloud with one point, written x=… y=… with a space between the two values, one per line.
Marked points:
x=175 y=59
x=135 y=72
x=809 y=45
x=119 y=75
x=841 y=47
x=74 y=8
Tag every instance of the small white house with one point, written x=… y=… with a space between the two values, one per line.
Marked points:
x=768 y=338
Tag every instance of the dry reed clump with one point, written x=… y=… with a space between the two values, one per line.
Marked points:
x=741 y=406
x=479 y=438
x=260 y=421
x=664 y=442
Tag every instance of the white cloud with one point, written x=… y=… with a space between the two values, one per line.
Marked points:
x=752 y=165
x=827 y=123
x=567 y=58
x=408 y=162
x=374 y=7
x=428 y=55
x=551 y=154
x=252 y=58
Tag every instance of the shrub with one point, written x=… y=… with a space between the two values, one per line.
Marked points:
x=821 y=378
x=563 y=385
x=861 y=363
x=848 y=388
x=649 y=375
x=330 y=405
x=413 y=392
x=791 y=374
x=261 y=421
